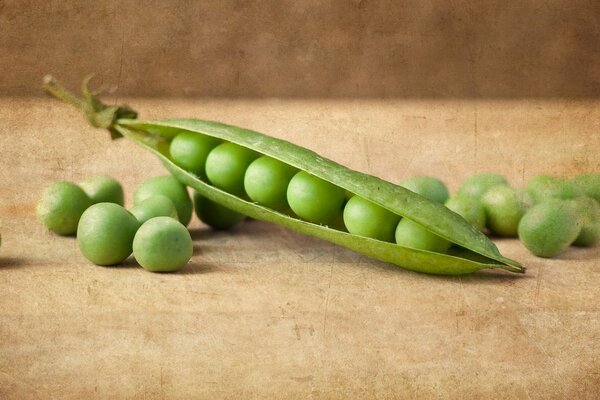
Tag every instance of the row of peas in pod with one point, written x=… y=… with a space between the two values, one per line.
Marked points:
x=548 y=215
x=107 y=233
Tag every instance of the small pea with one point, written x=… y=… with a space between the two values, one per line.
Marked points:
x=314 y=199
x=105 y=233
x=226 y=166
x=477 y=185
x=503 y=210
x=469 y=208
x=155 y=206
x=544 y=187
x=589 y=185
x=170 y=187
x=427 y=186
x=549 y=228
x=365 y=218
x=189 y=150
x=103 y=189
x=266 y=182
x=411 y=234
x=61 y=206
x=589 y=210
x=162 y=244
x=215 y=215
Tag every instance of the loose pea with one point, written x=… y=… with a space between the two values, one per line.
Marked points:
x=155 y=206
x=226 y=166
x=365 y=218
x=589 y=185
x=503 y=210
x=315 y=199
x=266 y=182
x=589 y=210
x=469 y=208
x=103 y=189
x=105 y=233
x=215 y=215
x=477 y=185
x=411 y=234
x=162 y=244
x=61 y=206
x=170 y=187
x=548 y=228
x=189 y=150
x=544 y=187
x=427 y=186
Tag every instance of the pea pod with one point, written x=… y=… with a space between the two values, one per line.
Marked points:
x=473 y=250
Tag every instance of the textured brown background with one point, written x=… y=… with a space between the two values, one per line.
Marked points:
x=262 y=312
x=385 y=48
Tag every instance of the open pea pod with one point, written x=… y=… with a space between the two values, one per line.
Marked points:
x=475 y=251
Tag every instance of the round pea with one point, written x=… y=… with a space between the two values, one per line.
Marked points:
x=315 y=199
x=427 y=186
x=170 y=187
x=61 y=206
x=477 y=185
x=105 y=233
x=503 y=210
x=155 y=206
x=226 y=166
x=215 y=215
x=189 y=150
x=411 y=234
x=162 y=244
x=365 y=218
x=103 y=189
x=469 y=208
x=589 y=185
x=589 y=210
x=548 y=228
x=544 y=187
x=266 y=182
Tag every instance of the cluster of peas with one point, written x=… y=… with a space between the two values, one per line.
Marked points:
x=107 y=233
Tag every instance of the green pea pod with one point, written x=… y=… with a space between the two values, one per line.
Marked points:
x=475 y=251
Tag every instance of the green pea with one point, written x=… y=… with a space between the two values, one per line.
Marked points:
x=549 y=228
x=503 y=210
x=469 y=208
x=170 y=187
x=103 y=189
x=105 y=233
x=155 y=206
x=61 y=206
x=365 y=218
x=315 y=199
x=428 y=187
x=189 y=150
x=589 y=185
x=162 y=244
x=266 y=182
x=226 y=166
x=589 y=210
x=411 y=234
x=544 y=187
x=215 y=215
x=477 y=185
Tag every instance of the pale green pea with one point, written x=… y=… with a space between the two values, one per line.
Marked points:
x=477 y=185
x=365 y=218
x=189 y=151
x=469 y=208
x=226 y=166
x=170 y=187
x=503 y=209
x=411 y=234
x=61 y=206
x=155 y=206
x=589 y=210
x=105 y=233
x=162 y=244
x=428 y=187
x=266 y=182
x=315 y=199
x=103 y=189
x=215 y=215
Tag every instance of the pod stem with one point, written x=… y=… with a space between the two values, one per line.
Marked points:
x=97 y=113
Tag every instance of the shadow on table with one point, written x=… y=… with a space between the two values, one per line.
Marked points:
x=13 y=262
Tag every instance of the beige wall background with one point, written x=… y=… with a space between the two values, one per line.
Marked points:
x=309 y=48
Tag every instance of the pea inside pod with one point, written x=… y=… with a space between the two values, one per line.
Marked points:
x=331 y=181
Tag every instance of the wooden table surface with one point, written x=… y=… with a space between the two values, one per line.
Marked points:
x=262 y=312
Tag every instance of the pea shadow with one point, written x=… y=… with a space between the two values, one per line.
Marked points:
x=13 y=262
